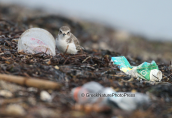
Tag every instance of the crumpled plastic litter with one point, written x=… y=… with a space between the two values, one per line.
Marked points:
x=36 y=40
x=90 y=93
x=146 y=71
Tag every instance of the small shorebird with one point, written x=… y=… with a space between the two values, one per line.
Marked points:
x=66 y=42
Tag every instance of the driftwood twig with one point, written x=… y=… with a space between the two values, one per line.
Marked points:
x=32 y=82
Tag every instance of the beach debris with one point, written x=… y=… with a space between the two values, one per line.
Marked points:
x=94 y=93
x=56 y=67
x=15 y=110
x=29 y=65
x=6 y=93
x=45 y=96
x=146 y=71
x=37 y=40
x=31 y=82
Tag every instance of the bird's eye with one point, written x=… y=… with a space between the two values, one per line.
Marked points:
x=68 y=33
x=60 y=31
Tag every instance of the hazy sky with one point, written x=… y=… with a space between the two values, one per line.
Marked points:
x=151 y=18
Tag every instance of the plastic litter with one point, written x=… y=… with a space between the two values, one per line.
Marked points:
x=36 y=40
x=93 y=92
x=147 y=71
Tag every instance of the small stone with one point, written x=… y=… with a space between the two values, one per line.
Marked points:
x=15 y=110
x=56 y=67
x=6 y=93
x=45 y=96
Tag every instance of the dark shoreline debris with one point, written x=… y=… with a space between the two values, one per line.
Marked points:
x=72 y=71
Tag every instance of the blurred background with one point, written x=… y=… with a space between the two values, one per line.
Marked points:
x=133 y=28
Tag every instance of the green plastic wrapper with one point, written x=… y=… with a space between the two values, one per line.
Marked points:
x=145 y=68
x=122 y=63
x=147 y=71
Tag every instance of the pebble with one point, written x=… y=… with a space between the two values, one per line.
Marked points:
x=6 y=93
x=15 y=110
x=56 y=67
x=45 y=96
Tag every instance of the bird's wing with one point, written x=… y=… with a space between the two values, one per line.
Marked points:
x=77 y=44
x=69 y=40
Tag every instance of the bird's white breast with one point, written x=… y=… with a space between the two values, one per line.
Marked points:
x=62 y=46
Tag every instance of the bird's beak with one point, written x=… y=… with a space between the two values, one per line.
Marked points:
x=64 y=34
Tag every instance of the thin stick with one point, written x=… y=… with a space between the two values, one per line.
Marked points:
x=31 y=82
x=66 y=60
x=86 y=59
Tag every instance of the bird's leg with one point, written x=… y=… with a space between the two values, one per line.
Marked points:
x=66 y=49
x=81 y=50
x=61 y=54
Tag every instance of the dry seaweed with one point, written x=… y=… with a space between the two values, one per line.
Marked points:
x=71 y=71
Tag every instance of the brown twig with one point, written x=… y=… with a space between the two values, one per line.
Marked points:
x=86 y=59
x=32 y=82
x=66 y=60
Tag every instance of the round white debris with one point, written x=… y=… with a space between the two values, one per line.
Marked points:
x=36 y=40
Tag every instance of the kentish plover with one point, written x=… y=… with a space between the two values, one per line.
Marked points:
x=66 y=42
